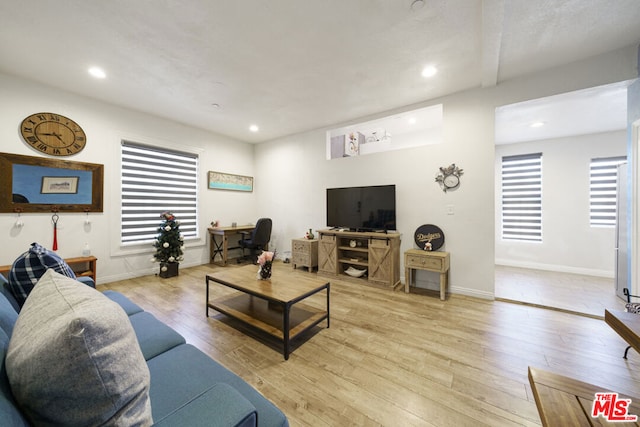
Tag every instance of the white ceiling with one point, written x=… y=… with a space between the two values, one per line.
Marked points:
x=294 y=65
x=582 y=112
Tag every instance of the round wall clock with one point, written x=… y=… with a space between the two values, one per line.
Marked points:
x=53 y=134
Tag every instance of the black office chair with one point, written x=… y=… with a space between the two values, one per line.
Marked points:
x=257 y=239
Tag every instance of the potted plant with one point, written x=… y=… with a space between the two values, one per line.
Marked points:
x=169 y=245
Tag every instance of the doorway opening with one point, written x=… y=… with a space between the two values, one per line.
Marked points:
x=573 y=267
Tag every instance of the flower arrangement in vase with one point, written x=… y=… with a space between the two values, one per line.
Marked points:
x=265 y=260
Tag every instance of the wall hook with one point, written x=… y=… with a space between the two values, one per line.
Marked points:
x=19 y=222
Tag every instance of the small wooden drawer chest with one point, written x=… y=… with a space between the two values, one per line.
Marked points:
x=417 y=259
x=304 y=252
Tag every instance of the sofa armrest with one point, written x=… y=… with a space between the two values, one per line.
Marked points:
x=87 y=281
x=221 y=405
x=4 y=289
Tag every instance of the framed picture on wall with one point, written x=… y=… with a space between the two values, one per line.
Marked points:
x=227 y=181
x=59 y=185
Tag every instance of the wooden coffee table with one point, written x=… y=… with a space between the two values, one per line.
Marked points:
x=272 y=306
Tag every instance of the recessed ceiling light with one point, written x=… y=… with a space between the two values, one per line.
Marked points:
x=254 y=128
x=412 y=121
x=429 y=71
x=536 y=124
x=98 y=73
x=215 y=105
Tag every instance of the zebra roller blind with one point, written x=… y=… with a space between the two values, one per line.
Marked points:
x=522 y=197
x=603 y=187
x=155 y=180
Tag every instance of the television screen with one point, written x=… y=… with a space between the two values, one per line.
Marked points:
x=362 y=208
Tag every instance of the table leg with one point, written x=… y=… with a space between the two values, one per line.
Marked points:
x=216 y=249
x=225 y=248
x=407 y=279
x=443 y=284
x=94 y=266
x=328 y=314
x=285 y=330
x=206 y=303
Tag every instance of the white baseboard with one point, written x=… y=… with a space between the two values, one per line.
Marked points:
x=557 y=268
x=154 y=269
x=472 y=293
x=435 y=286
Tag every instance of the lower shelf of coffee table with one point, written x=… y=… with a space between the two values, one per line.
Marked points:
x=268 y=317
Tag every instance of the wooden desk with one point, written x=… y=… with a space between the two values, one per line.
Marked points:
x=564 y=401
x=81 y=266
x=627 y=325
x=221 y=247
x=417 y=259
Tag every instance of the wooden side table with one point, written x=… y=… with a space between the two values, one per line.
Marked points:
x=81 y=266
x=417 y=259
x=304 y=252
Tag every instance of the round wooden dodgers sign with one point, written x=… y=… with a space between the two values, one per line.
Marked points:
x=429 y=236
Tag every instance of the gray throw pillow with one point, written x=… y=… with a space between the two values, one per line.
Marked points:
x=74 y=360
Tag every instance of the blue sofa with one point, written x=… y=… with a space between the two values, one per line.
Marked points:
x=187 y=387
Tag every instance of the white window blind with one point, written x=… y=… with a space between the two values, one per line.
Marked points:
x=603 y=184
x=155 y=180
x=522 y=197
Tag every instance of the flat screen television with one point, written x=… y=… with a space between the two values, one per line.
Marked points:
x=371 y=208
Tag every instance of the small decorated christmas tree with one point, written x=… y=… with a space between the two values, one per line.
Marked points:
x=169 y=245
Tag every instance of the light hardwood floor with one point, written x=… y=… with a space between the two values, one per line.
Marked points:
x=586 y=295
x=396 y=359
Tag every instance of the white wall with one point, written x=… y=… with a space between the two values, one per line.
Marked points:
x=105 y=126
x=569 y=243
x=291 y=173
x=298 y=172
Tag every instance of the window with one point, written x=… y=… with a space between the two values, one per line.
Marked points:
x=155 y=180
x=603 y=187
x=522 y=197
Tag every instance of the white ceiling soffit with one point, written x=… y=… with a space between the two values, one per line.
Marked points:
x=583 y=112
x=289 y=65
